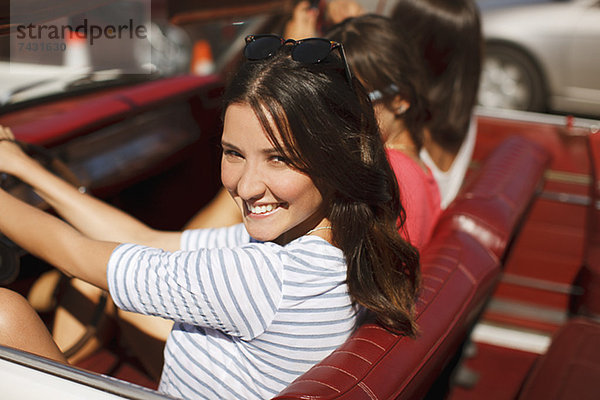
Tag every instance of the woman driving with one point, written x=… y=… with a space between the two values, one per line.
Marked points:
x=257 y=304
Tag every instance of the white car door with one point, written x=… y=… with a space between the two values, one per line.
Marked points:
x=582 y=89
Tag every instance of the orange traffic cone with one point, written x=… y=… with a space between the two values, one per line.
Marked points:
x=202 y=59
x=76 y=54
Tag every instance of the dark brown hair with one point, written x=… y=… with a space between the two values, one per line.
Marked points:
x=328 y=130
x=448 y=34
x=381 y=56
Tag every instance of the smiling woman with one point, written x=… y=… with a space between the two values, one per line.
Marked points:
x=257 y=304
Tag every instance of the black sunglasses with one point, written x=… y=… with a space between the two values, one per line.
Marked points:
x=308 y=51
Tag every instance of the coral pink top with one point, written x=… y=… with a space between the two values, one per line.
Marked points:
x=420 y=197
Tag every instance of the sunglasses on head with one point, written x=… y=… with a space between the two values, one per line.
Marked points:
x=307 y=51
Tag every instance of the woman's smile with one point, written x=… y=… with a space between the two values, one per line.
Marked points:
x=262 y=209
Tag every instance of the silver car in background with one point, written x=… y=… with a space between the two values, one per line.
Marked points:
x=542 y=57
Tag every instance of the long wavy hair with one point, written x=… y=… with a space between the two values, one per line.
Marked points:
x=327 y=128
x=448 y=34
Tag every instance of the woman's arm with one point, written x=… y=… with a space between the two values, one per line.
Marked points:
x=303 y=23
x=53 y=240
x=91 y=216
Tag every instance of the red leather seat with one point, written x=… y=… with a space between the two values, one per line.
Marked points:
x=458 y=275
x=588 y=278
x=569 y=369
x=459 y=267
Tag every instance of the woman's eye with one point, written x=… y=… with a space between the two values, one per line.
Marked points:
x=231 y=153
x=280 y=159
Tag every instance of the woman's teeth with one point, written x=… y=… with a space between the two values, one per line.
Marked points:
x=261 y=209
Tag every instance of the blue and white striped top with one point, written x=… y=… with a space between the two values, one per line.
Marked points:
x=250 y=317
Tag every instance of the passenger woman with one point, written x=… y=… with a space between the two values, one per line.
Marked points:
x=387 y=65
x=448 y=38
x=256 y=304
x=447 y=34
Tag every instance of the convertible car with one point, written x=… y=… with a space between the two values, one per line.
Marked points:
x=511 y=278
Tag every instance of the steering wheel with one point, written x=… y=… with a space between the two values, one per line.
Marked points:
x=10 y=253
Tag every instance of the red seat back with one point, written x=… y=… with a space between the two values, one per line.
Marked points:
x=588 y=278
x=494 y=198
x=458 y=275
x=570 y=368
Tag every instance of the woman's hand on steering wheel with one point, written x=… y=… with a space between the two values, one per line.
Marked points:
x=11 y=154
x=15 y=155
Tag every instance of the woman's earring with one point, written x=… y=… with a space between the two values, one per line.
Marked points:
x=402 y=109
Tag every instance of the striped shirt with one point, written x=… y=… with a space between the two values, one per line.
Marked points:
x=249 y=317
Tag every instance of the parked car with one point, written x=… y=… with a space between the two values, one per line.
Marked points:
x=511 y=261
x=542 y=57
